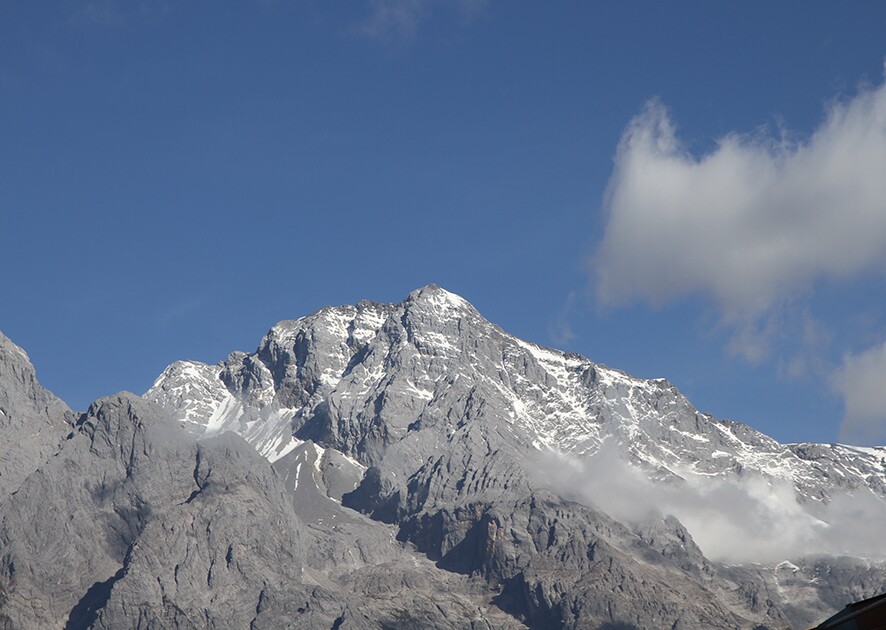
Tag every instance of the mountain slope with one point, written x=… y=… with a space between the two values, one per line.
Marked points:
x=127 y=521
x=136 y=524
x=33 y=421
x=465 y=431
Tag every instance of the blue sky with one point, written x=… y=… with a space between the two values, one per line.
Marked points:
x=689 y=190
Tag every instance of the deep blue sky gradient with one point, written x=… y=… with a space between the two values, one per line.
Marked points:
x=176 y=178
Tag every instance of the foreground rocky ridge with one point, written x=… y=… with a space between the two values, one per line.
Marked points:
x=407 y=481
x=33 y=422
x=134 y=523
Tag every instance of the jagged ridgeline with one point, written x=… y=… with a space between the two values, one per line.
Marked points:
x=413 y=466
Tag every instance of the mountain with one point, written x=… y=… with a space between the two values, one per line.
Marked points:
x=32 y=420
x=416 y=466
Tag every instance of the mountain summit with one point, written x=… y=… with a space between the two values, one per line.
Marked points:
x=417 y=466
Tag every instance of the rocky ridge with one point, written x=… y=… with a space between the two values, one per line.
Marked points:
x=33 y=421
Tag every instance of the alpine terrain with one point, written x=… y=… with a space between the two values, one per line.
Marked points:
x=411 y=465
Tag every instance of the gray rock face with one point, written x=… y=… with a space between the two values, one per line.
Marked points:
x=228 y=556
x=33 y=422
x=145 y=525
x=389 y=582
x=134 y=523
x=563 y=565
x=71 y=522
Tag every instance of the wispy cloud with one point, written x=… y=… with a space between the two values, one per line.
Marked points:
x=117 y=12
x=808 y=358
x=861 y=380
x=175 y=312
x=560 y=330
x=393 y=19
x=399 y=20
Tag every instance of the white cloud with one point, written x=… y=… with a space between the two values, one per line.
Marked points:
x=861 y=380
x=738 y=519
x=752 y=224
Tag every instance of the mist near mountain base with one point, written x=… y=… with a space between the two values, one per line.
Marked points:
x=744 y=518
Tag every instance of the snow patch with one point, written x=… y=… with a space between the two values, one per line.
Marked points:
x=297 y=472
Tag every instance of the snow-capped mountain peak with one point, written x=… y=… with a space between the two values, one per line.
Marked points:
x=418 y=357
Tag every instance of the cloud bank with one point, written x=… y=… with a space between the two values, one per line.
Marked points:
x=861 y=380
x=739 y=519
x=754 y=222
